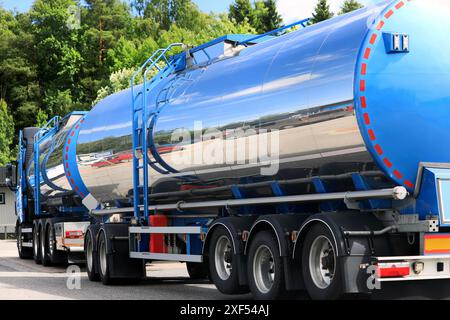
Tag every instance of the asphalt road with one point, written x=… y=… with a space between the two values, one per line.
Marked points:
x=23 y=279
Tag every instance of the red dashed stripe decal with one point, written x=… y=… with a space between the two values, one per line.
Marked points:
x=389 y=14
x=362 y=88
x=378 y=149
x=363 y=102
x=371 y=135
x=363 y=69
x=409 y=184
x=388 y=163
x=367 y=53
x=362 y=85
x=399 y=5
x=398 y=174
x=380 y=25
x=366 y=118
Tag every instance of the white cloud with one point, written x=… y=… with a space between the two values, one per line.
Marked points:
x=293 y=10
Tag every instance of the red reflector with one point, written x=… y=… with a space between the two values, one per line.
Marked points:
x=393 y=270
x=74 y=234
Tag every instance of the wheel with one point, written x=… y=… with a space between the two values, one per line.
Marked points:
x=36 y=243
x=320 y=267
x=53 y=255
x=44 y=231
x=197 y=271
x=223 y=268
x=91 y=257
x=265 y=267
x=24 y=252
x=103 y=260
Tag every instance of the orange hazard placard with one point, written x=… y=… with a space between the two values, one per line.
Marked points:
x=437 y=243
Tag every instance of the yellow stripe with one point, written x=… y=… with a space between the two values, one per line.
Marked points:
x=437 y=244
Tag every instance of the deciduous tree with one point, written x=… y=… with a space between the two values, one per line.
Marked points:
x=6 y=133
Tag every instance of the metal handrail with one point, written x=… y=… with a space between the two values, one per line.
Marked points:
x=301 y=22
x=51 y=124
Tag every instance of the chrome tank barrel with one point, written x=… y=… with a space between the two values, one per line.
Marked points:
x=321 y=92
x=53 y=176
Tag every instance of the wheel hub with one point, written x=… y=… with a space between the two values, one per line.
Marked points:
x=223 y=258
x=322 y=262
x=264 y=269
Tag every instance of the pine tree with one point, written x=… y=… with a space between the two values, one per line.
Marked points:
x=321 y=12
x=139 y=6
x=349 y=6
x=241 y=10
x=267 y=15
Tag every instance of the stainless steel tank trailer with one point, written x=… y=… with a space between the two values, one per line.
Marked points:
x=356 y=110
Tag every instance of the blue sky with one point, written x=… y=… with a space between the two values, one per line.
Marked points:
x=291 y=10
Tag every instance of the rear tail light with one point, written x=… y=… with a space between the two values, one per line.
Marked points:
x=76 y=234
x=393 y=269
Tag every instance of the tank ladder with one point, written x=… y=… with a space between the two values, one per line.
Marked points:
x=50 y=128
x=140 y=116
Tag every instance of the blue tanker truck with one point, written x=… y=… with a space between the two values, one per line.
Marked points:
x=316 y=160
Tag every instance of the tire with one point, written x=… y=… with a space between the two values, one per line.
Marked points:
x=323 y=278
x=103 y=260
x=91 y=257
x=224 y=273
x=197 y=271
x=45 y=257
x=54 y=256
x=36 y=243
x=24 y=252
x=265 y=267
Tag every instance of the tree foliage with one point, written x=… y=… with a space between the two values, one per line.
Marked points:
x=269 y=17
x=6 y=133
x=349 y=6
x=242 y=10
x=66 y=55
x=263 y=16
x=321 y=12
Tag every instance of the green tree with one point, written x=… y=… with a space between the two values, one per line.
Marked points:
x=58 y=102
x=349 y=6
x=6 y=133
x=267 y=16
x=183 y=13
x=57 y=56
x=118 y=81
x=242 y=10
x=41 y=118
x=105 y=22
x=321 y=12
x=19 y=83
x=139 y=6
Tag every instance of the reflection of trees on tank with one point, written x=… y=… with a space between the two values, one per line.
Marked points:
x=118 y=144
x=162 y=138
x=278 y=121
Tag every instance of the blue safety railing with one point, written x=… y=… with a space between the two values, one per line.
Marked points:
x=21 y=183
x=48 y=130
x=302 y=23
x=140 y=116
